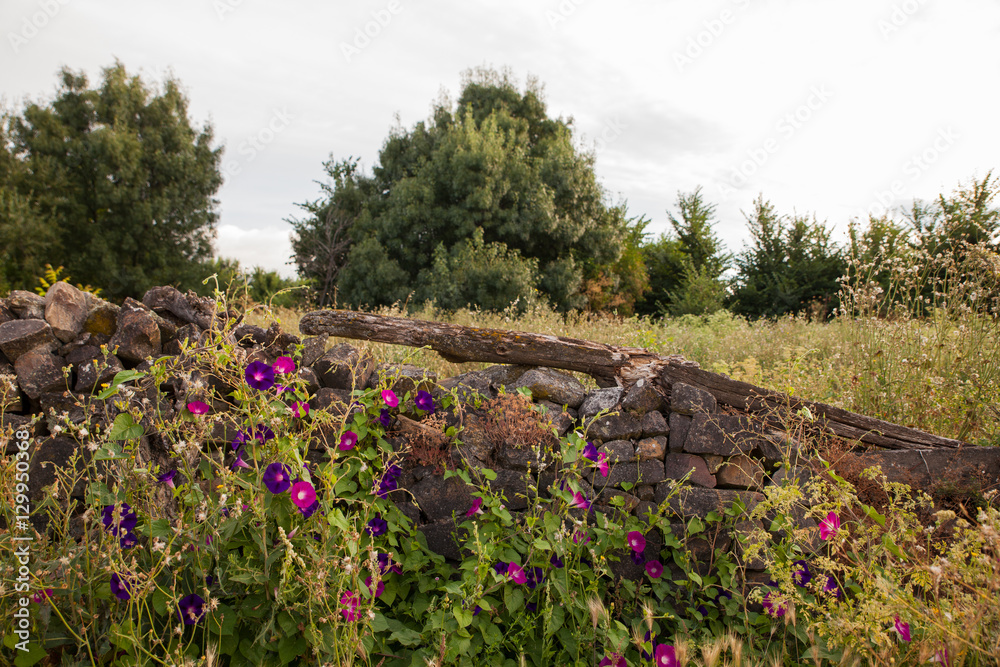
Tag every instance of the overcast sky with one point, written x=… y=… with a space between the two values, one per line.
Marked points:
x=824 y=106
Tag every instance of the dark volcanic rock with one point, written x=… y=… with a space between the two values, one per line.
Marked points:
x=547 y=384
x=600 y=400
x=723 y=435
x=676 y=466
x=65 y=310
x=344 y=367
x=688 y=400
x=26 y=305
x=654 y=424
x=642 y=397
x=39 y=371
x=614 y=427
x=438 y=498
x=138 y=336
x=18 y=337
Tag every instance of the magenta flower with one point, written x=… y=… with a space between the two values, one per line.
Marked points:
x=198 y=408
x=277 y=478
x=46 y=595
x=665 y=656
x=613 y=660
x=303 y=494
x=902 y=629
x=424 y=401
x=941 y=656
x=284 y=365
x=350 y=601
x=260 y=376
x=477 y=507
x=348 y=440
x=602 y=464
x=389 y=398
x=300 y=409
x=378 y=590
x=580 y=501
x=829 y=526
x=516 y=573
x=121 y=586
x=776 y=610
x=654 y=569
x=191 y=609
x=378 y=526
x=168 y=478
x=581 y=537
x=637 y=541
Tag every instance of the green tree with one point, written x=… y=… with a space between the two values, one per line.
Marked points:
x=493 y=165
x=967 y=216
x=685 y=267
x=127 y=181
x=322 y=240
x=790 y=266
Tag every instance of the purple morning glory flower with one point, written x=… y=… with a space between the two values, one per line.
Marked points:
x=128 y=540
x=590 y=452
x=277 y=478
x=383 y=562
x=260 y=376
x=556 y=562
x=239 y=462
x=263 y=433
x=424 y=401
x=124 y=525
x=240 y=440
x=168 y=478
x=535 y=576
x=500 y=567
x=475 y=612
x=637 y=557
x=121 y=586
x=384 y=418
x=393 y=471
x=309 y=511
x=191 y=609
x=378 y=526
x=385 y=486
x=531 y=606
x=801 y=574
x=703 y=610
x=831 y=587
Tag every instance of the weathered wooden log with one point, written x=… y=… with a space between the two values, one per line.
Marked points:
x=610 y=365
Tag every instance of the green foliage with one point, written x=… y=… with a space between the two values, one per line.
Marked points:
x=52 y=276
x=493 y=162
x=123 y=180
x=686 y=267
x=791 y=266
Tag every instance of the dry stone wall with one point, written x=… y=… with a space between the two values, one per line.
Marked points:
x=58 y=350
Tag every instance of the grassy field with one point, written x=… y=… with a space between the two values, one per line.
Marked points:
x=939 y=375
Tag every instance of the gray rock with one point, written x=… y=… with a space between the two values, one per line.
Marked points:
x=714 y=462
x=250 y=335
x=65 y=310
x=561 y=421
x=402 y=378
x=645 y=492
x=19 y=337
x=91 y=374
x=26 y=305
x=344 y=367
x=188 y=335
x=679 y=427
x=619 y=451
x=81 y=354
x=443 y=537
x=676 y=466
x=138 y=336
x=968 y=470
x=688 y=400
x=504 y=376
x=6 y=314
x=642 y=397
x=741 y=472
x=547 y=384
x=614 y=427
x=439 y=498
x=512 y=487
x=695 y=501
x=723 y=435
x=313 y=347
x=331 y=400
x=600 y=400
x=654 y=424
x=39 y=371
x=57 y=406
x=47 y=455
x=102 y=318
x=522 y=457
x=651 y=448
x=188 y=308
x=645 y=472
x=309 y=376
x=468 y=386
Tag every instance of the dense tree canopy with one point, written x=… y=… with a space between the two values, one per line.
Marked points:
x=491 y=180
x=116 y=182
